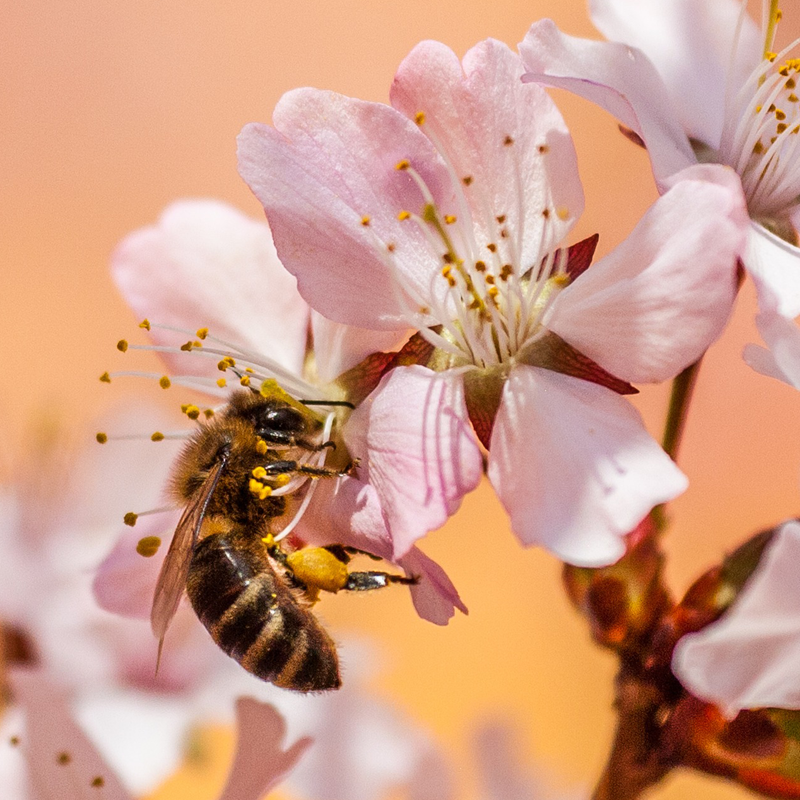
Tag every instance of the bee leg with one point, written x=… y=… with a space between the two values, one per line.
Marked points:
x=366 y=581
x=279 y=467
x=339 y=552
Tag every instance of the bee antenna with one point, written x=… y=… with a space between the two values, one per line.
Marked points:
x=343 y=403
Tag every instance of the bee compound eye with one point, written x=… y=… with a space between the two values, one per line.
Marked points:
x=286 y=419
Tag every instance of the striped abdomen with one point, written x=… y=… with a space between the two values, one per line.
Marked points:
x=253 y=615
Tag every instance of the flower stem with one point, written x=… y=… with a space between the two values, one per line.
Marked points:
x=682 y=388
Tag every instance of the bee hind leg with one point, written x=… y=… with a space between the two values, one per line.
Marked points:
x=366 y=581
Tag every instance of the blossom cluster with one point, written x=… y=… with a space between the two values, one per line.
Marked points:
x=416 y=292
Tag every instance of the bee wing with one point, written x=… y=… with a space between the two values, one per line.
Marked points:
x=172 y=578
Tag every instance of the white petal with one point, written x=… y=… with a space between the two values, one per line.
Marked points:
x=782 y=360
x=574 y=466
x=749 y=657
x=691 y=44
x=774 y=266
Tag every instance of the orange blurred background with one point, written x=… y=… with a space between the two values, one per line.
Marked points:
x=113 y=110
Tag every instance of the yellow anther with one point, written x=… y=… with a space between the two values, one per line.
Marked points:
x=790 y=84
x=268 y=540
x=282 y=479
x=543 y=148
x=402 y=165
x=102 y=438
x=466 y=180
x=261 y=447
x=157 y=436
x=191 y=411
x=122 y=345
x=130 y=519
x=792 y=98
x=419 y=117
x=770 y=56
x=781 y=127
x=501 y=219
x=780 y=114
x=491 y=247
x=98 y=782
x=490 y=280
x=446 y=270
x=255 y=486
x=449 y=219
x=201 y=333
x=105 y=378
x=187 y=346
x=14 y=741
x=391 y=247
x=250 y=370
x=148 y=546
x=493 y=291
x=448 y=258
x=480 y=266
x=164 y=382
x=772 y=108
x=562 y=279
x=208 y=413
x=245 y=380
x=506 y=272
x=508 y=141
x=63 y=758
x=259 y=473
x=145 y=323
x=562 y=212
x=504 y=233
x=365 y=220
x=222 y=383
x=758 y=148
x=758 y=109
x=404 y=215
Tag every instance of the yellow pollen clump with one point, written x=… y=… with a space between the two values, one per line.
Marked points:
x=562 y=212
x=187 y=346
x=259 y=473
x=449 y=219
x=780 y=114
x=105 y=378
x=201 y=333
x=164 y=382
x=122 y=345
x=102 y=438
x=466 y=180
x=130 y=519
x=245 y=380
x=770 y=56
x=261 y=447
x=222 y=383
x=365 y=220
x=403 y=215
x=208 y=413
x=282 y=479
x=157 y=437
x=402 y=165
x=419 y=117
x=250 y=370
x=145 y=323
x=258 y=489
x=148 y=546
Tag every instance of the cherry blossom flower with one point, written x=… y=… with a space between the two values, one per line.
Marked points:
x=63 y=761
x=444 y=213
x=748 y=658
x=698 y=82
x=207 y=264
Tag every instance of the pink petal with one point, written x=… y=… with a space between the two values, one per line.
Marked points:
x=749 y=657
x=61 y=759
x=348 y=512
x=205 y=264
x=422 y=455
x=585 y=471
x=654 y=305
x=774 y=266
x=339 y=347
x=125 y=581
x=323 y=171
x=260 y=762
x=782 y=360
x=435 y=597
x=616 y=77
x=469 y=114
x=692 y=45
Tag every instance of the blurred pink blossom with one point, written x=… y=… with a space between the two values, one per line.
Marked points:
x=444 y=214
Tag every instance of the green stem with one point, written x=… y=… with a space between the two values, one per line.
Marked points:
x=682 y=388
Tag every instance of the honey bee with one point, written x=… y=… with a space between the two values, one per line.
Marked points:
x=238 y=479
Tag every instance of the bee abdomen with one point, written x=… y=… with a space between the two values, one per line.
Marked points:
x=253 y=616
